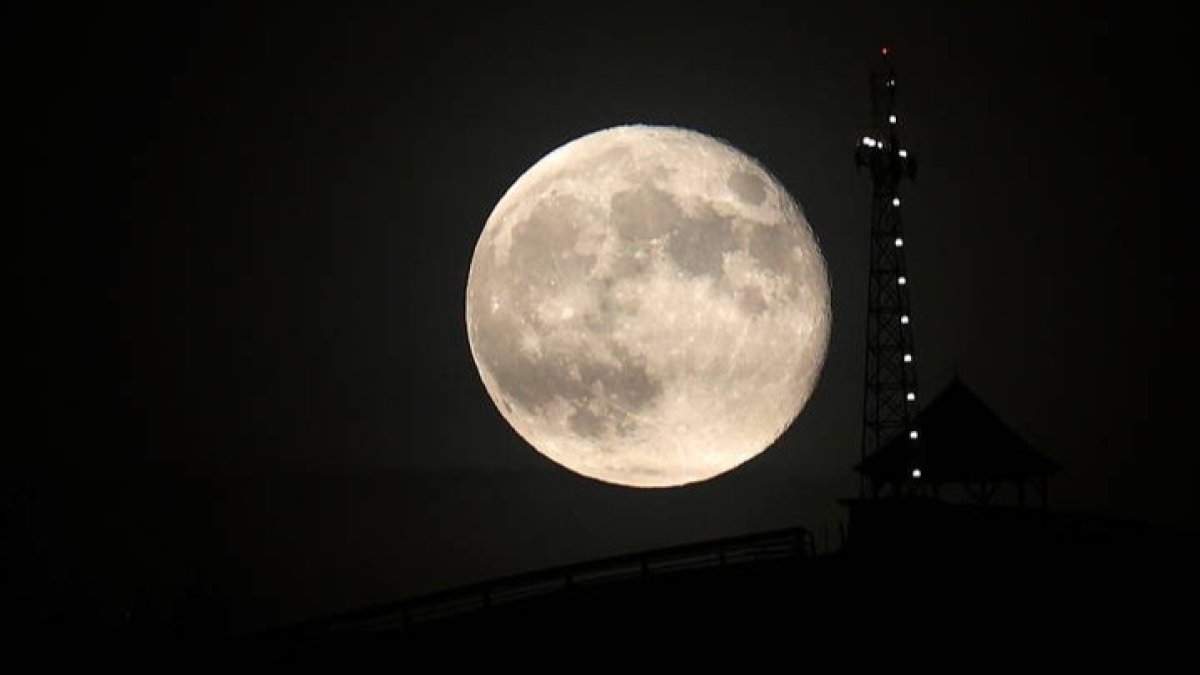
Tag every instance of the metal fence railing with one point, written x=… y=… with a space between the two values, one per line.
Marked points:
x=792 y=543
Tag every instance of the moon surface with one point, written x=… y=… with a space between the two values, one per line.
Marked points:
x=647 y=306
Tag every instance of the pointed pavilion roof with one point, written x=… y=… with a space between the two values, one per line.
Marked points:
x=961 y=440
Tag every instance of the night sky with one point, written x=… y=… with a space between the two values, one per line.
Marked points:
x=243 y=240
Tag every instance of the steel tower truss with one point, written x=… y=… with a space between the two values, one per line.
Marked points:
x=890 y=387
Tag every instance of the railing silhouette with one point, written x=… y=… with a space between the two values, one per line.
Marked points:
x=793 y=543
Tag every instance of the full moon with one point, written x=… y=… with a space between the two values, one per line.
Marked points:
x=648 y=306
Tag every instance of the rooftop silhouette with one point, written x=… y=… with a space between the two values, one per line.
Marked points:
x=961 y=441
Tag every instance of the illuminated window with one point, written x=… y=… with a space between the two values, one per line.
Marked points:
x=899 y=242
x=911 y=396
x=916 y=473
x=904 y=319
x=902 y=281
x=908 y=358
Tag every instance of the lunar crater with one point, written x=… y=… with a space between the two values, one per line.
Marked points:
x=748 y=187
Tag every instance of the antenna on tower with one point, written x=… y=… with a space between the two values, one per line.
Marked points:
x=890 y=379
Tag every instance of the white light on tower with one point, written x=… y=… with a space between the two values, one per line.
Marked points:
x=904 y=319
x=911 y=396
x=895 y=201
x=916 y=473
x=899 y=242
x=908 y=358
x=904 y=153
x=913 y=434
x=868 y=141
x=892 y=119
x=902 y=281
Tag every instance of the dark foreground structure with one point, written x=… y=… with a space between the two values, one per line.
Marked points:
x=945 y=548
x=913 y=570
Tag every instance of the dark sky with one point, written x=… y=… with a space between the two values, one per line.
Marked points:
x=244 y=236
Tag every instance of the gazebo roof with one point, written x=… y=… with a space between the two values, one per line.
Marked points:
x=960 y=441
